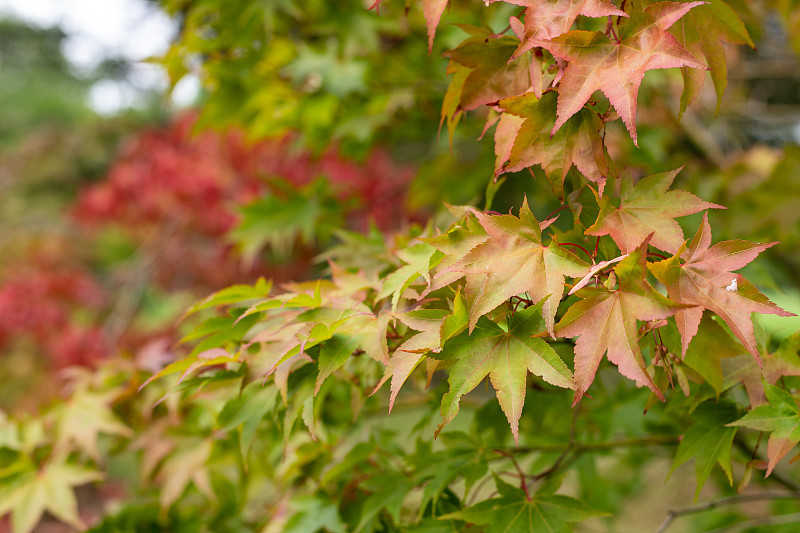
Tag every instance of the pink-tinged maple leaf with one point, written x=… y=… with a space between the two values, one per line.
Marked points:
x=545 y=19
x=644 y=208
x=605 y=322
x=595 y=62
x=701 y=276
x=512 y=261
x=432 y=9
x=578 y=143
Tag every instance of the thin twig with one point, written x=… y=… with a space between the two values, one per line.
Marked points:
x=570 y=448
x=792 y=518
x=733 y=500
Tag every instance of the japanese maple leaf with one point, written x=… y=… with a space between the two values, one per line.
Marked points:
x=493 y=76
x=504 y=356
x=702 y=277
x=513 y=260
x=545 y=19
x=644 y=208
x=578 y=143
x=595 y=62
x=605 y=322
x=435 y=326
x=514 y=510
x=702 y=32
x=781 y=417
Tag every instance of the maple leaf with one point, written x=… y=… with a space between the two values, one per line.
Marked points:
x=701 y=276
x=431 y=9
x=504 y=356
x=514 y=510
x=595 y=62
x=605 y=321
x=578 y=143
x=81 y=419
x=701 y=32
x=512 y=261
x=50 y=489
x=419 y=259
x=493 y=77
x=708 y=441
x=781 y=417
x=186 y=465
x=435 y=327
x=463 y=456
x=644 y=208
x=545 y=19
x=785 y=361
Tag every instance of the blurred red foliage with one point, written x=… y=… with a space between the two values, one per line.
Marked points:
x=174 y=193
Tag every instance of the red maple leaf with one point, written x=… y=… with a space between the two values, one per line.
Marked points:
x=545 y=19
x=701 y=276
x=644 y=208
x=596 y=62
x=605 y=322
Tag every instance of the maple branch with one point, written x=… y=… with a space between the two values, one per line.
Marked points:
x=654 y=440
x=657 y=255
x=733 y=500
x=570 y=448
x=778 y=520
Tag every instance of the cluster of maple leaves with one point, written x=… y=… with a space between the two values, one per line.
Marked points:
x=610 y=275
x=501 y=319
x=538 y=86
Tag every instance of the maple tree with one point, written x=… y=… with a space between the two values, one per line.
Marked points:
x=273 y=415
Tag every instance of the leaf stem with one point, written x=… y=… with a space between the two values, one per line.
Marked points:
x=578 y=246
x=548 y=217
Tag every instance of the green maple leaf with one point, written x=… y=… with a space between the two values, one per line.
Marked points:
x=648 y=207
x=83 y=417
x=313 y=513
x=492 y=77
x=505 y=356
x=48 y=489
x=595 y=62
x=512 y=261
x=701 y=276
x=513 y=510
x=707 y=350
x=701 y=32
x=463 y=456
x=708 y=441
x=781 y=418
x=435 y=326
x=523 y=143
x=418 y=258
x=605 y=322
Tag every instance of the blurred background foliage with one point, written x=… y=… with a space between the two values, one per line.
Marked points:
x=316 y=136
